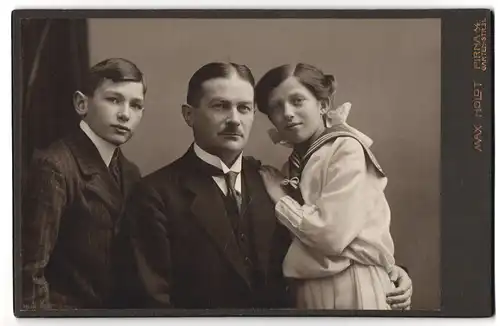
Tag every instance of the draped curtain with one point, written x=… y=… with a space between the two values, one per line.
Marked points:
x=54 y=55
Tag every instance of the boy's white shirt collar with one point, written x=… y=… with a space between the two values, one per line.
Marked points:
x=106 y=149
x=217 y=162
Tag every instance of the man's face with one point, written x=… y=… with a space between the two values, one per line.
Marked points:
x=224 y=116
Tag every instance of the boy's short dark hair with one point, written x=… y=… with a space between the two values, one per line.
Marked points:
x=115 y=69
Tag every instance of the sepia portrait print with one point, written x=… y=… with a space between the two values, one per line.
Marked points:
x=185 y=164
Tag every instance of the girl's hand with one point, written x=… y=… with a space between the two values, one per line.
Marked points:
x=400 y=297
x=272 y=178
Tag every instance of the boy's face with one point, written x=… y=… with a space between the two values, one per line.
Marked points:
x=115 y=110
x=223 y=119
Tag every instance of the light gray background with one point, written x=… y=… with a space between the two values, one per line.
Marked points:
x=389 y=69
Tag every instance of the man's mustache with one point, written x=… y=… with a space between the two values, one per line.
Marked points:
x=231 y=131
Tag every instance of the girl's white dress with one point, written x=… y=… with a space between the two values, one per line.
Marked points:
x=342 y=251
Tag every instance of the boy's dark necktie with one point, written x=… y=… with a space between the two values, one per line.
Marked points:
x=114 y=168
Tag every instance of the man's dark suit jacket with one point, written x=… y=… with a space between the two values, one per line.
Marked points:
x=183 y=249
x=70 y=209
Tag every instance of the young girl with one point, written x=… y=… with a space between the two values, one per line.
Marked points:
x=333 y=197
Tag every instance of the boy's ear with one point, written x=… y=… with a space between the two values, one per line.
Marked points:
x=187 y=113
x=80 y=103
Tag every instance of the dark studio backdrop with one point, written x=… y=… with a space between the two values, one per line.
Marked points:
x=389 y=69
x=53 y=56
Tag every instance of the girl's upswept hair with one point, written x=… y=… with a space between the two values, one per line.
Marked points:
x=321 y=85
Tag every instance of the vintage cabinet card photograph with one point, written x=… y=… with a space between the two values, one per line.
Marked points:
x=253 y=163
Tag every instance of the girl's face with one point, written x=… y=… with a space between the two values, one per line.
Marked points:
x=296 y=112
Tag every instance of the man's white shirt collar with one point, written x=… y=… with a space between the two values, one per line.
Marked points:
x=217 y=162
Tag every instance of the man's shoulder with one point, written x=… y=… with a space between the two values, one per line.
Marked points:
x=167 y=174
x=250 y=162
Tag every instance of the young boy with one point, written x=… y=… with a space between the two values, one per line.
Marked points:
x=75 y=194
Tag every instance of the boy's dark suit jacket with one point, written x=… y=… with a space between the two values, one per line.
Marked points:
x=69 y=214
x=184 y=250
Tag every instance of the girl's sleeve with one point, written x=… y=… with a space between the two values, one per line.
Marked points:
x=336 y=218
